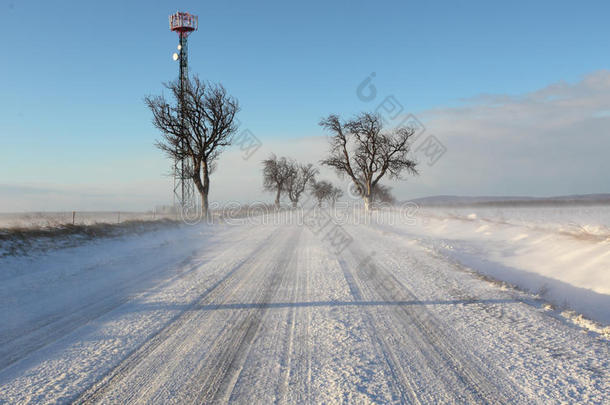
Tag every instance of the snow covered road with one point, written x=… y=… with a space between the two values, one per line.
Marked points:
x=269 y=314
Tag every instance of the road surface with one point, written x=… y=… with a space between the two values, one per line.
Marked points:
x=263 y=313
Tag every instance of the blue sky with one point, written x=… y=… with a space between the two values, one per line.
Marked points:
x=73 y=73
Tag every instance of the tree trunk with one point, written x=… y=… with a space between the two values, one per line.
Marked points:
x=277 y=197
x=294 y=203
x=206 y=191
x=201 y=178
x=368 y=195
x=367 y=202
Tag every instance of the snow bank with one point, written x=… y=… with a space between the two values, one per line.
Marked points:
x=559 y=253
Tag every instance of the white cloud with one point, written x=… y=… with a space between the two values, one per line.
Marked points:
x=549 y=142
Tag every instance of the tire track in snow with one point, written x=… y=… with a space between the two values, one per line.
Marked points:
x=219 y=380
x=445 y=349
x=167 y=374
x=42 y=334
x=57 y=327
x=289 y=342
x=400 y=381
x=515 y=332
x=98 y=389
x=300 y=374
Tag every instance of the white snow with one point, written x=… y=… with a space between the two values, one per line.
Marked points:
x=561 y=253
x=266 y=312
x=53 y=219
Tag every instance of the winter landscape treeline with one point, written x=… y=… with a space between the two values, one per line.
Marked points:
x=360 y=150
x=201 y=121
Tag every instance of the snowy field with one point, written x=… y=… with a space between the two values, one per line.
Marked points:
x=561 y=253
x=54 y=219
x=303 y=310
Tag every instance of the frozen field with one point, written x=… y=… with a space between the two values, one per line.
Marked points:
x=562 y=253
x=273 y=312
x=581 y=221
x=53 y=219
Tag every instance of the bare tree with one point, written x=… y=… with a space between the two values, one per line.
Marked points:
x=321 y=190
x=360 y=150
x=197 y=127
x=325 y=191
x=276 y=172
x=335 y=194
x=383 y=194
x=299 y=178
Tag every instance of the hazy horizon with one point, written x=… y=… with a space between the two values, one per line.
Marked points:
x=520 y=104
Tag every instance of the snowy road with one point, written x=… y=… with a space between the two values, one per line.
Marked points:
x=269 y=314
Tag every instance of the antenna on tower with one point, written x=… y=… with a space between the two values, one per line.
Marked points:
x=184 y=188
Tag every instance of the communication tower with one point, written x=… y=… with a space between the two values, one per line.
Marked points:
x=184 y=188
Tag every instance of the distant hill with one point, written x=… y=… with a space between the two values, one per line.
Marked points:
x=451 y=200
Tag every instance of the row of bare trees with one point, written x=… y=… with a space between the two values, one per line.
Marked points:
x=287 y=176
x=201 y=121
x=284 y=176
x=326 y=191
x=359 y=150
